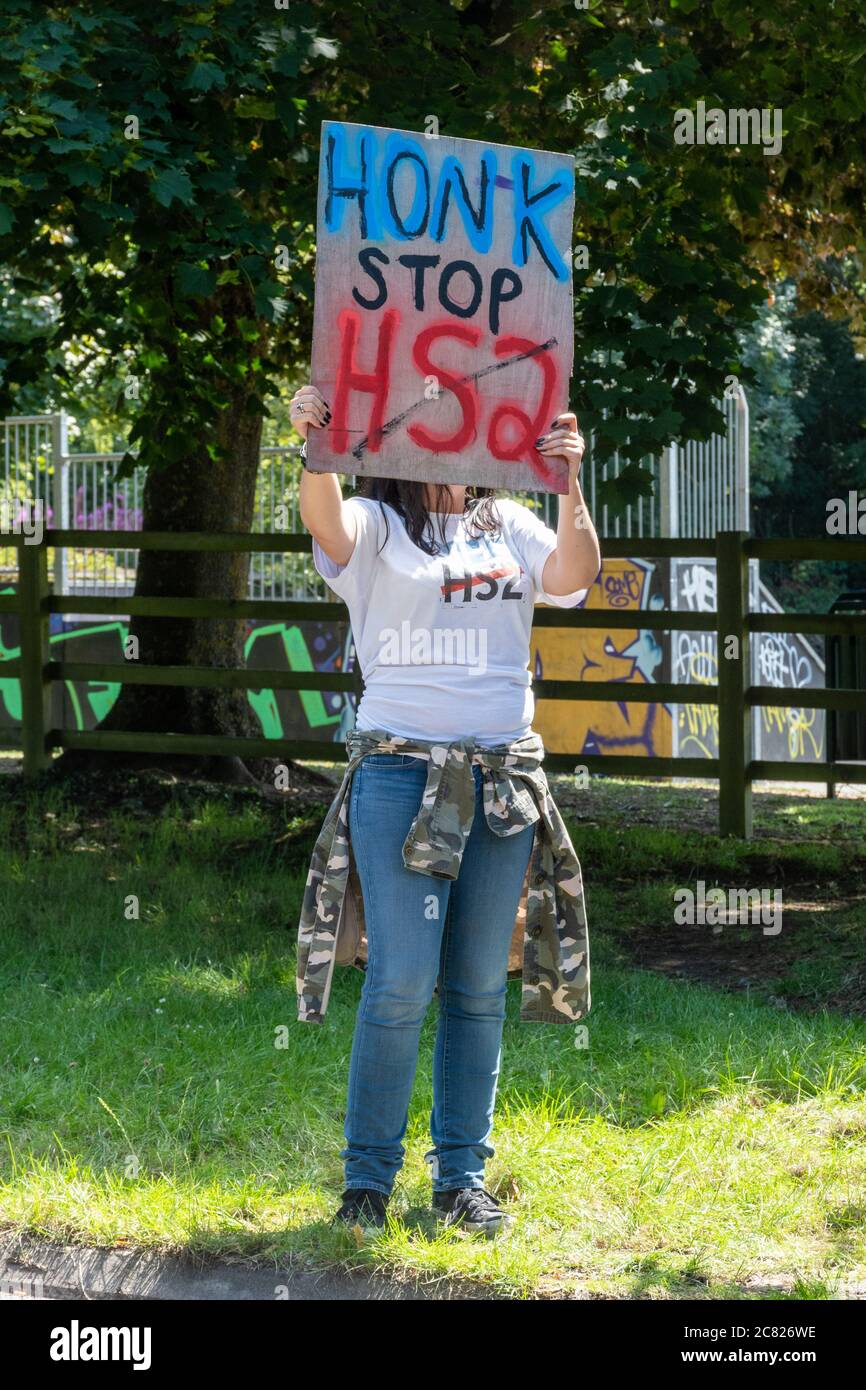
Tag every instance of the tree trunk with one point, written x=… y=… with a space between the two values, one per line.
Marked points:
x=195 y=494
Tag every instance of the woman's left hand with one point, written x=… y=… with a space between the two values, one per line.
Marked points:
x=563 y=440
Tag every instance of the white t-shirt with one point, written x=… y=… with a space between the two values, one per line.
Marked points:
x=443 y=641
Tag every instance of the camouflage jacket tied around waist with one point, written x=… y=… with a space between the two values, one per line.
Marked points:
x=515 y=794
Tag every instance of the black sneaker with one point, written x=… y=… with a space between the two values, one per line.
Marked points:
x=364 y=1207
x=473 y=1208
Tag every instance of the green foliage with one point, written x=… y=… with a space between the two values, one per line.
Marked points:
x=149 y=180
x=812 y=367
x=808 y=438
x=774 y=425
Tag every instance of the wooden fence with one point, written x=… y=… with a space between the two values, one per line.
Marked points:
x=734 y=694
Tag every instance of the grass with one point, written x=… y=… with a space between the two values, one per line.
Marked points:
x=158 y=1091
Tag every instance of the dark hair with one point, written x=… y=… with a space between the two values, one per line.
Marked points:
x=407 y=498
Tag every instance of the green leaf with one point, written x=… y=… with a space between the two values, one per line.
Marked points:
x=60 y=146
x=78 y=173
x=204 y=76
x=625 y=490
x=287 y=63
x=7 y=217
x=171 y=185
x=195 y=280
x=67 y=110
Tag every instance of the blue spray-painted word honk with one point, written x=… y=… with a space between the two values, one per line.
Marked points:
x=365 y=176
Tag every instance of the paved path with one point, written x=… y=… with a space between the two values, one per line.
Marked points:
x=32 y=1269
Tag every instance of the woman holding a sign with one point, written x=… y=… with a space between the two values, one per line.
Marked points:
x=444 y=810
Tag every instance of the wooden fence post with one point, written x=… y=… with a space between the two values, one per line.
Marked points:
x=734 y=678
x=35 y=654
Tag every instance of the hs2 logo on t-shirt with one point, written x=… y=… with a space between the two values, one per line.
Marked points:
x=462 y=586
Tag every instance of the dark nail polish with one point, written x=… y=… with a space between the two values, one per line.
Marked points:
x=327 y=417
x=540 y=440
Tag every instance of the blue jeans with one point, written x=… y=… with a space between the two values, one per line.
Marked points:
x=421 y=930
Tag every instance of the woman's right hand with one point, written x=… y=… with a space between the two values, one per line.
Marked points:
x=308 y=407
x=320 y=497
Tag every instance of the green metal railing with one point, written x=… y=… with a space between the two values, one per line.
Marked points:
x=733 y=623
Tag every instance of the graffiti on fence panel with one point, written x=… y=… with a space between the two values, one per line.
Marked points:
x=783 y=660
x=282 y=714
x=787 y=661
x=632 y=656
x=308 y=646
x=694 y=660
x=79 y=705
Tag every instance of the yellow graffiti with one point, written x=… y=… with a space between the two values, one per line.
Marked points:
x=800 y=724
x=595 y=654
x=701 y=723
x=703 y=668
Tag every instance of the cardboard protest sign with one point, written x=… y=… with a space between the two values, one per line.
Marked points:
x=443 y=335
